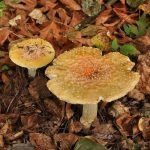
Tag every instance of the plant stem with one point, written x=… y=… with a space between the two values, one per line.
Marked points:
x=32 y=72
x=89 y=114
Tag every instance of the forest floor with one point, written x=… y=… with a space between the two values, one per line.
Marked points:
x=31 y=117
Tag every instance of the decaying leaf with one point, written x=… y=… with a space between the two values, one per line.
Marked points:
x=65 y=140
x=72 y=4
x=75 y=126
x=4 y=33
x=101 y=41
x=144 y=127
x=38 y=16
x=88 y=144
x=117 y=109
x=126 y=122
x=91 y=7
x=2 y=7
x=145 y=8
x=22 y=146
x=103 y=132
x=134 y=3
x=12 y=22
x=41 y=141
x=38 y=89
x=144 y=69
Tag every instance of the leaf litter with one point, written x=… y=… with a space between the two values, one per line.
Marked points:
x=33 y=118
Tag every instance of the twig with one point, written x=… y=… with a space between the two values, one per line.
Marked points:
x=8 y=108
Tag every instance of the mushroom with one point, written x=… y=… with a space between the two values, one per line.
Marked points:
x=83 y=76
x=31 y=53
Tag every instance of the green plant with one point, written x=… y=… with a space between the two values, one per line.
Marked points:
x=2 y=7
x=126 y=49
x=137 y=30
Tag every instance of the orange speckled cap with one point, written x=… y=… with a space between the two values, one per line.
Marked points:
x=83 y=76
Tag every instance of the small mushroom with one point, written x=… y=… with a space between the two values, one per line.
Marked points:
x=31 y=53
x=84 y=76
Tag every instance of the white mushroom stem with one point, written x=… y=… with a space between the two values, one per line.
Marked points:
x=89 y=114
x=32 y=72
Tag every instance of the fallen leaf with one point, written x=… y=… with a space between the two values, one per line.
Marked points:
x=38 y=89
x=145 y=8
x=41 y=141
x=144 y=126
x=104 y=16
x=75 y=126
x=76 y=18
x=5 y=79
x=88 y=144
x=4 y=33
x=126 y=122
x=65 y=140
x=69 y=111
x=144 y=70
x=1 y=141
x=64 y=18
x=72 y=4
x=136 y=94
x=102 y=132
x=38 y=16
x=13 y=22
x=26 y=4
x=117 y=109
x=124 y=16
x=22 y=146
x=30 y=121
x=91 y=7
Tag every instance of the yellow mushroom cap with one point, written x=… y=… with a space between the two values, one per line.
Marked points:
x=84 y=76
x=31 y=53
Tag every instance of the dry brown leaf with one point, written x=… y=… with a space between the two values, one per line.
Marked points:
x=75 y=126
x=4 y=33
x=47 y=5
x=69 y=111
x=26 y=4
x=124 y=16
x=38 y=88
x=64 y=18
x=41 y=141
x=103 y=133
x=136 y=94
x=144 y=70
x=65 y=141
x=52 y=30
x=5 y=79
x=126 y=122
x=104 y=16
x=144 y=126
x=30 y=121
x=72 y=4
x=76 y=18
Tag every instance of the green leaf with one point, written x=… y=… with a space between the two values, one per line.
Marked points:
x=91 y=7
x=128 y=50
x=133 y=30
x=134 y=3
x=4 y=68
x=137 y=30
x=87 y=144
x=2 y=7
x=115 y=45
x=142 y=24
x=126 y=29
x=136 y=147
